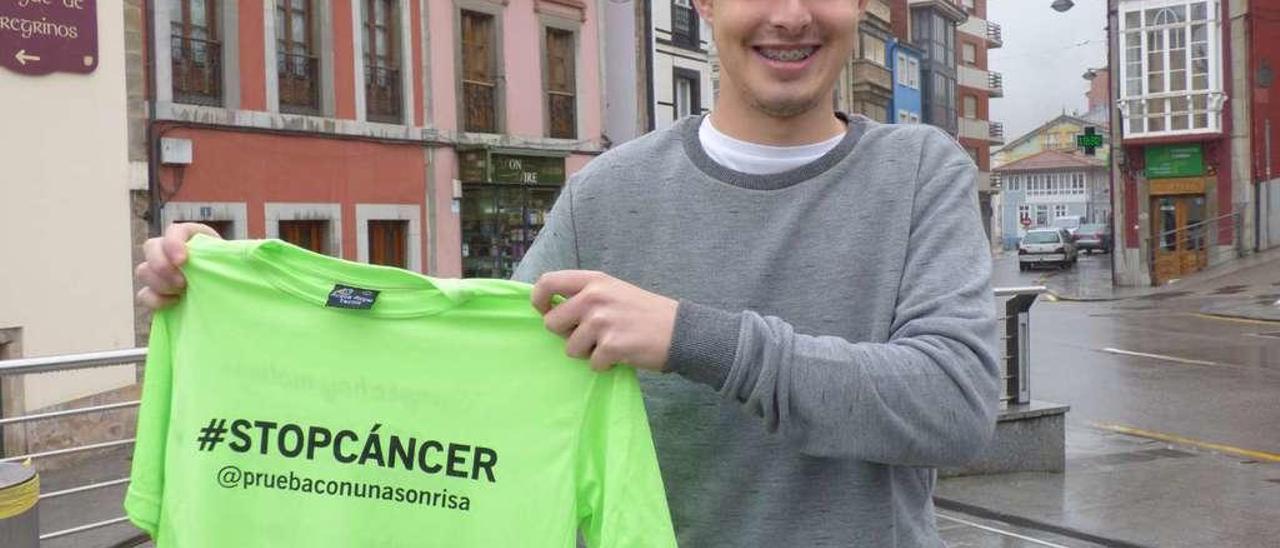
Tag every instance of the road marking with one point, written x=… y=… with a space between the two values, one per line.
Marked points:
x=1159 y=357
x=1000 y=531
x=1173 y=438
x=1234 y=319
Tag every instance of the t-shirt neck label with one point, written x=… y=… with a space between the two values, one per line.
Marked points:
x=353 y=298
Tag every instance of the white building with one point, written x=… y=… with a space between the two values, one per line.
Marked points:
x=657 y=67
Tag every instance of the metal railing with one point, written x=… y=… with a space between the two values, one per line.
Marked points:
x=1015 y=357
x=383 y=94
x=995 y=83
x=996 y=130
x=197 y=70
x=72 y=362
x=995 y=38
x=299 y=78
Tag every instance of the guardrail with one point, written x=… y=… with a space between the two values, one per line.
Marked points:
x=1016 y=353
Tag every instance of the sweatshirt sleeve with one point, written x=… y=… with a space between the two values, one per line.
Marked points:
x=927 y=396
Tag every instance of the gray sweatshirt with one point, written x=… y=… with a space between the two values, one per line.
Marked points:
x=835 y=338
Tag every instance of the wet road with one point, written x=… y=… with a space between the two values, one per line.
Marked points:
x=1155 y=363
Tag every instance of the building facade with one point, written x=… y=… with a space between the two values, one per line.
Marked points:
x=866 y=83
x=976 y=85
x=396 y=132
x=1183 y=198
x=64 y=213
x=658 y=66
x=907 y=106
x=1058 y=134
x=1050 y=184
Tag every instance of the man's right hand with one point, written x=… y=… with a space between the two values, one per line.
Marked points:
x=162 y=282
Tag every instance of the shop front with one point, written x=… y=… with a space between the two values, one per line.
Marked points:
x=1177 y=186
x=506 y=197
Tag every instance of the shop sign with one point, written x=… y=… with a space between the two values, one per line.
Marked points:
x=39 y=37
x=477 y=166
x=1168 y=161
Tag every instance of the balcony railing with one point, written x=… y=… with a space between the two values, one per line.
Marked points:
x=995 y=83
x=995 y=38
x=382 y=94
x=997 y=132
x=480 y=106
x=197 y=70
x=299 y=77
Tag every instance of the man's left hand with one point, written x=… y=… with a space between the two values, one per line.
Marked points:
x=607 y=320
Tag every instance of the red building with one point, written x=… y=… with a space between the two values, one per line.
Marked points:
x=423 y=134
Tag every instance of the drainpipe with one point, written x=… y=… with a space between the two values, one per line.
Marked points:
x=153 y=149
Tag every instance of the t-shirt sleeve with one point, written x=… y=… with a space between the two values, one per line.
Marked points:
x=146 y=485
x=621 y=500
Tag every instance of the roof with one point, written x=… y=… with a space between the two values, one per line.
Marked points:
x=1061 y=118
x=1050 y=159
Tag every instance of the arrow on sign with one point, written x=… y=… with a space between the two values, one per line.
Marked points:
x=22 y=57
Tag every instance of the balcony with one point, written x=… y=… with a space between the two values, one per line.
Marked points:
x=997 y=133
x=382 y=94
x=995 y=38
x=197 y=70
x=973 y=128
x=299 y=77
x=995 y=84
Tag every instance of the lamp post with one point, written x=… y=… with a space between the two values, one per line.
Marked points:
x=1062 y=5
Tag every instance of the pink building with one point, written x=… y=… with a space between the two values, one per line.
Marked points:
x=427 y=134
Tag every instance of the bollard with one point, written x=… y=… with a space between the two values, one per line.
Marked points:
x=19 y=493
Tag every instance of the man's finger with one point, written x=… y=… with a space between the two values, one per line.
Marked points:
x=162 y=275
x=601 y=359
x=150 y=299
x=581 y=343
x=175 y=239
x=566 y=316
x=566 y=283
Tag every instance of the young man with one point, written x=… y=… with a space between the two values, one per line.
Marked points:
x=816 y=289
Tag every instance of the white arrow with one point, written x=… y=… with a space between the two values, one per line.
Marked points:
x=22 y=57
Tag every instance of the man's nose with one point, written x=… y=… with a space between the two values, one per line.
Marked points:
x=790 y=16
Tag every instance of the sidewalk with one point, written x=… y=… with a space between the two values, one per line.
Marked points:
x=1247 y=288
x=1121 y=490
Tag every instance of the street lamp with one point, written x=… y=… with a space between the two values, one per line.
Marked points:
x=1062 y=5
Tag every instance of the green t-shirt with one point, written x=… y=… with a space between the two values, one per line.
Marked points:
x=279 y=410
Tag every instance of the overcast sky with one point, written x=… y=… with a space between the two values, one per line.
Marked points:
x=1045 y=54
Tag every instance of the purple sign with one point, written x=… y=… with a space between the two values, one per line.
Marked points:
x=43 y=36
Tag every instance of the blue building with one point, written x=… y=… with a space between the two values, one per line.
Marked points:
x=907 y=105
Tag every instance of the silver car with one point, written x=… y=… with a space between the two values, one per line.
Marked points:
x=1051 y=246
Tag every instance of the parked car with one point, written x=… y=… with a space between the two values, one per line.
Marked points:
x=1069 y=222
x=1052 y=246
x=1094 y=237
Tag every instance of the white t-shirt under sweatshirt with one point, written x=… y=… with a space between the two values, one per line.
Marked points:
x=758 y=159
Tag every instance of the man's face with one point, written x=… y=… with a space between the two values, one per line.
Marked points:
x=782 y=57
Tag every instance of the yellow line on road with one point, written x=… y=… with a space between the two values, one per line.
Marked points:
x=1234 y=319
x=1173 y=438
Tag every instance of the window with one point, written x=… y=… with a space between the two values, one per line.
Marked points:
x=225 y=229
x=900 y=68
x=970 y=53
x=479 y=73
x=904 y=117
x=941 y=101
x=684 y=24
x=875 y=112
x=970 y=106
x=1059 y=210
x=1024 y=212
x=873 y=48
x=388 y=241
x=1170 y=69
x=196 y=51
x=561 y=85
x=687 y=101
x=297 y=66
x=382 y=91
x=1042 y=215
x=908 y=71
x=312 y=235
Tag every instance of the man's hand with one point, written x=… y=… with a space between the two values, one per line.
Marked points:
x=162 y=282
x=607 y=320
